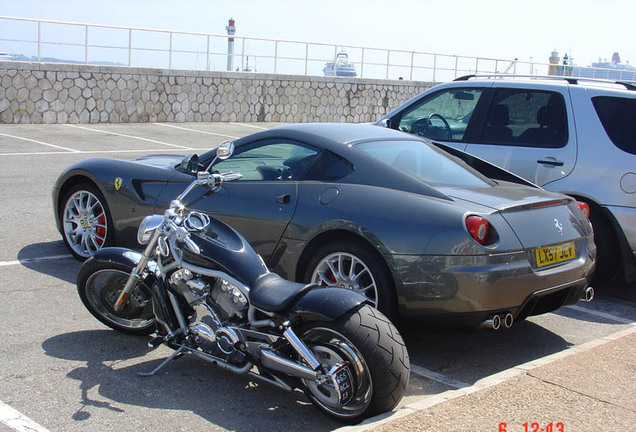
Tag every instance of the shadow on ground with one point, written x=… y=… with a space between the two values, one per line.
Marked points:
x=233 y=402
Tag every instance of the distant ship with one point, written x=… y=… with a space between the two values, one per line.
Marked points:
x=603 y=69
x=247 y=67
x=614 y=64
x=340 y=66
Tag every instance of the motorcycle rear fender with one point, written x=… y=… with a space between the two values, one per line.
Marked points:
x=326 y=304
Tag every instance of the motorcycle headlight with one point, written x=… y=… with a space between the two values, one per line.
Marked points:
x=147 y=227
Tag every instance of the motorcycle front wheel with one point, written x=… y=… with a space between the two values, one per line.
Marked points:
x=378 y=365
x=99 y=284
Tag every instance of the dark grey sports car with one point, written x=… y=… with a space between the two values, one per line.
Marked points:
x=422 y=230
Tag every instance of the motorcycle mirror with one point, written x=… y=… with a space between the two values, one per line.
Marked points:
x=190 y=163
x=225 y=150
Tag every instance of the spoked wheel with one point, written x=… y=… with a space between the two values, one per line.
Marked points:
x=371 y=361
x=99 y=285
x=345 y=270
x=348 y=264
x=86 y=225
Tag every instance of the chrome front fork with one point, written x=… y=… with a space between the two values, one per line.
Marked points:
x=135 y=275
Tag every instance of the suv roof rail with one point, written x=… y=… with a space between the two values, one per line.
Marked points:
x=629 y=85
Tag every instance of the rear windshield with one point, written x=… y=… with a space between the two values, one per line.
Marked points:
x=425 y=162
x=618 y=116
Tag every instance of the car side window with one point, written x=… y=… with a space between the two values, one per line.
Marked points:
x=272 y=161
x=618 y=116
x=329 y=167
x=528 y=118
x=443 y=115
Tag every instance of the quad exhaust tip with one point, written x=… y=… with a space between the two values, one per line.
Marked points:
x=492 y=323
x=495 y=322
x=508 y=320
x=588 y=295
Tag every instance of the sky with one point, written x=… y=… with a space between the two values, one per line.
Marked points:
x=587 y=30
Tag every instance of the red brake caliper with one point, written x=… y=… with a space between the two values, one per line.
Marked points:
x=100 y=230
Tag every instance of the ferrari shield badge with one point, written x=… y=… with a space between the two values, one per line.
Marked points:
x=118 y=182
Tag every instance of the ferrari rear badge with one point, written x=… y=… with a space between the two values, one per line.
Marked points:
x=118 y=182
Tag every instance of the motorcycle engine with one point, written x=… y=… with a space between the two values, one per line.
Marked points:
x=215 y=309
x=226 y=298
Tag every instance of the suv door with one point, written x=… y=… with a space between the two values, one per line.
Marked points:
x=527 y=131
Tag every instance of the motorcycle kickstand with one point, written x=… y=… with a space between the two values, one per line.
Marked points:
x=175 y=355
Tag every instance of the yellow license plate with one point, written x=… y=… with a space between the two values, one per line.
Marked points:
x=555 y=254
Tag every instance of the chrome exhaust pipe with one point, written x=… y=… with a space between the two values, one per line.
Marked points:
x=588 y=294
x=492 y=323
x=508 y=320
x=279 y=364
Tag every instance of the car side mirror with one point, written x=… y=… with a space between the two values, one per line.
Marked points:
x=190 y=164
x=385 y=122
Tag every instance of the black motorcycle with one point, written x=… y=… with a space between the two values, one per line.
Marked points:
x=201 y=288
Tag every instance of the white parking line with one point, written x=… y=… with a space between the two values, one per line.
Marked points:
x=88 y=152
x=249 y=126
x=426 y=373
x=601 y=314
x=39 y=142
x=129 y=136
x=32 y=260
x=195 y=130
x=18 y=421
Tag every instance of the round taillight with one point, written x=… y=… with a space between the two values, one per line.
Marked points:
x=478 y=228
x=585 y=208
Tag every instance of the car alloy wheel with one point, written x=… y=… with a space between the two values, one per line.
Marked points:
x=345 y=270
x=351 y=264
x=85 y=224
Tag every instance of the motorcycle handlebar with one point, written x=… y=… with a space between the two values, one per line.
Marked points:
x=213 y=180
x=231 y=176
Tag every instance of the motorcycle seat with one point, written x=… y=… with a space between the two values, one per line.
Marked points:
x=272 y=293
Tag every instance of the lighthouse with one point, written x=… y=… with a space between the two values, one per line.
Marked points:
x=231 y=30
x=554 y=63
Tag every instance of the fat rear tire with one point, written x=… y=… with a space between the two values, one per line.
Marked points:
x=99 y=284
x=382 y=358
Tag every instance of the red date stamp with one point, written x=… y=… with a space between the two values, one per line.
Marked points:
x=535 y=427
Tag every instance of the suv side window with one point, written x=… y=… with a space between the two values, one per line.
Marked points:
x=618 y=116
x=443 y=115
x=528 y=118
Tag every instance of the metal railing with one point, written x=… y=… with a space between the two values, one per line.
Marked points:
x=70 y=42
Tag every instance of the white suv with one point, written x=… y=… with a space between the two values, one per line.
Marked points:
x=566 y=134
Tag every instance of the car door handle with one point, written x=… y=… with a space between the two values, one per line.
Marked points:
x=283 y=199
x=550 y=162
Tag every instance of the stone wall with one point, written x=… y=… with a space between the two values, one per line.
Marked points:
x=63 y=93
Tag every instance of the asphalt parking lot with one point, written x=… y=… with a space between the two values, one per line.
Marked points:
x=62 y=370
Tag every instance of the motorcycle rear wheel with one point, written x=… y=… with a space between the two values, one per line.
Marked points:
x=378 y=363
x=99 y=284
